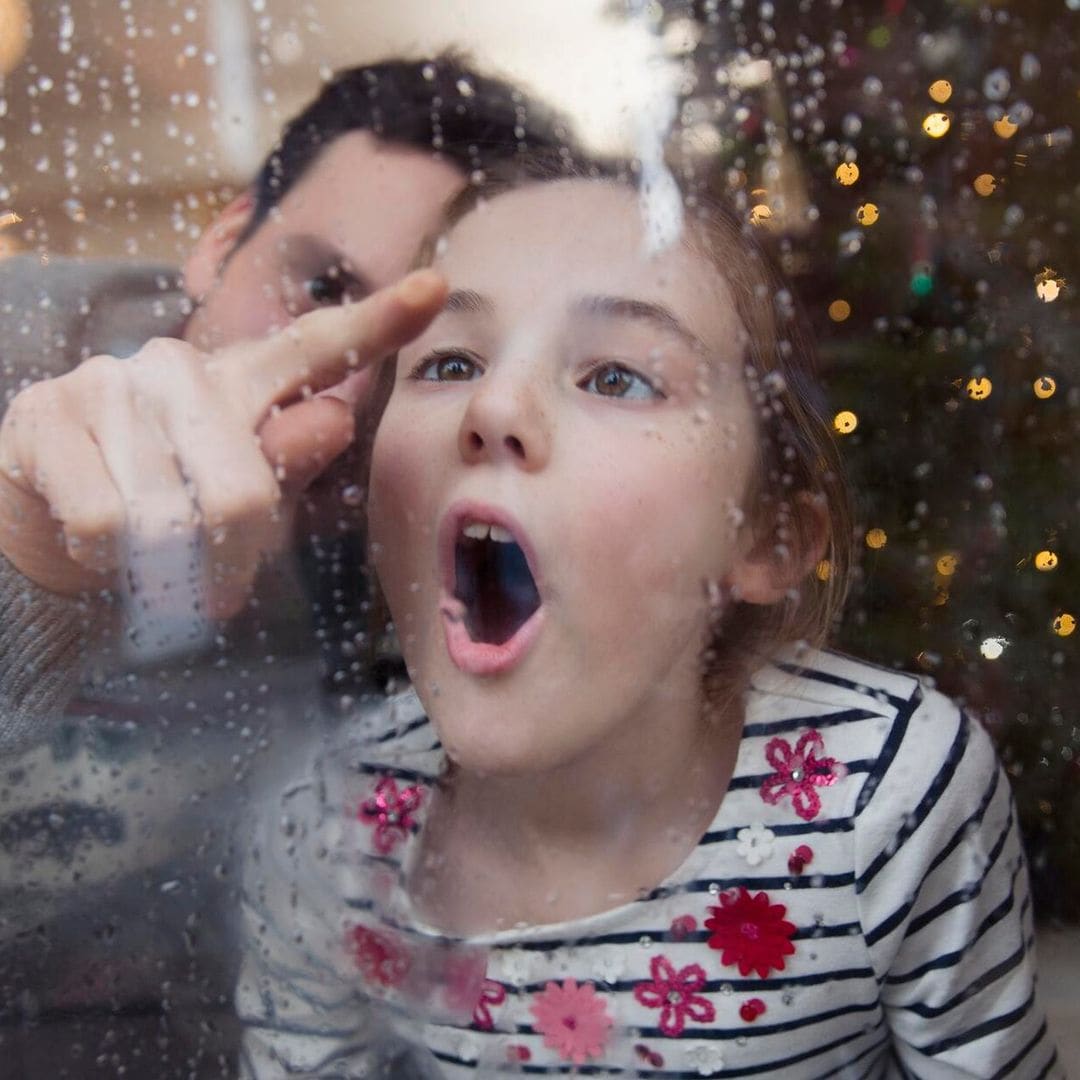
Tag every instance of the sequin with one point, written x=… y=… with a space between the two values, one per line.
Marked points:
x=390 y=813
x=752 y=1009
x=799 y=772
x=675 y=994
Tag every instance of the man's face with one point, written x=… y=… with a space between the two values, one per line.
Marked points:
x=350 y=225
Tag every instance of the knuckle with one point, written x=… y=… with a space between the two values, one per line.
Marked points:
x=251 y=500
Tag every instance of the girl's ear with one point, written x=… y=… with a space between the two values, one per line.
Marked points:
x=775 y=564
x=205 y=262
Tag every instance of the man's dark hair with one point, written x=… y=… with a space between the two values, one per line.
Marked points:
x=439 y=104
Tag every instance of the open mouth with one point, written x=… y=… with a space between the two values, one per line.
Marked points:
x=493 y=581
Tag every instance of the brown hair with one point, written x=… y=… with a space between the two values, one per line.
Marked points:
x=798 y=462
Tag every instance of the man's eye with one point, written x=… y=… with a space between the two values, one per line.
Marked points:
x=614 y=380
x=447 y=367
x=330 y=287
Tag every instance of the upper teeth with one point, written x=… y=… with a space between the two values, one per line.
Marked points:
x=477 y=531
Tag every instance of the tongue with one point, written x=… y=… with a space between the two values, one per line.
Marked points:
x=494 y=583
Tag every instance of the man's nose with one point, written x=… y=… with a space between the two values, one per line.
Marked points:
x=507 y=419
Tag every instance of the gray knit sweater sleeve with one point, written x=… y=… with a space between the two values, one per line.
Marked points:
x=52 y=315
x=43 y=648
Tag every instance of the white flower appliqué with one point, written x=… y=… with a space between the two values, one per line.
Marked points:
x=705 y=1057
x=755 y=843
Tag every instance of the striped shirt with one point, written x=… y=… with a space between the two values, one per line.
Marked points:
x=859 y=907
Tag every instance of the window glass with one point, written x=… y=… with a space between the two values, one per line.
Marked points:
x=215 y=577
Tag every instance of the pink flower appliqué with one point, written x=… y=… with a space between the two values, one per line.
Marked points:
x=749 y=931
x=799 y=772
x=380 y=959
x=676 y=993
x=492 y=993
x=390 y=813
x=573 y=1020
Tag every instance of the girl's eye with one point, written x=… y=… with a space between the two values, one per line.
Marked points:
x=614 y=380
x=447 y=367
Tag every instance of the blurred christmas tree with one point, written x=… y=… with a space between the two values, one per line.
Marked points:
x=916 y=166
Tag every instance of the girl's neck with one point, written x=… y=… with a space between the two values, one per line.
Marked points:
x=581 y=839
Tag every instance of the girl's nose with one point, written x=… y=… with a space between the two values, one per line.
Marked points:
x=505 y=421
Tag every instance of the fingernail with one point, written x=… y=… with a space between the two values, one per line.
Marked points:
x=421 y=286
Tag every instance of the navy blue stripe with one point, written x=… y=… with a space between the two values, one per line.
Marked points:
x=819 y=721
x=949 y=959
x=1010 y=963
x=401 y=732
x=888 y=752
x=1045 y=1071
x=980 y=1031
x=968 y=893
x=788 y=884
x=1007 y=1069
x=816 y=675
x=755 y=780
x=961 y=896
x=712 y=986
x=966 y=826
x=774 y=1066
x=874 y=1065
x=813 y=828
x=668 y=1074
x=761 y=1029
x=913 y=820
x=395 y=771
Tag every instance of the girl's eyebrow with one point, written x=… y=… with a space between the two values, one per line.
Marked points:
x=469 y=301
x=623 y=307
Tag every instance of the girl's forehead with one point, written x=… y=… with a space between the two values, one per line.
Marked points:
x=566 y=238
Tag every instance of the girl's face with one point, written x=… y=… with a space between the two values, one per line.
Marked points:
x=558 y=478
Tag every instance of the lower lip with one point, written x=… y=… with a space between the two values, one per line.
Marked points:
x=483 y=658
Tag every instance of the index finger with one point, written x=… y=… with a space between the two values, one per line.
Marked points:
x=322 y=347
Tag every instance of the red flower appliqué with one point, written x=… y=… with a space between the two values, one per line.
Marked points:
x=381 y=959
x=492 y=993
x=676 y=992
x=573 y=1020
x=390 y=813
x=749 y=931
x=799 y=772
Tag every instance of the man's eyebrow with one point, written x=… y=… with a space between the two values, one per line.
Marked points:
x=624 y=307
x=469 y=301
x=321 y=252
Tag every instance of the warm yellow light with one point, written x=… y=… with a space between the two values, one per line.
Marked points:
x=844 y=423
x=847 y=172
x=823 y=570
x=946 y=565
x=979 y=389
x=937 y=124
x=839 y=310
x=984 y=184
x=1046 y=560
x=876 y=539
x=940 y=91
x=1064 y=624
x=867 y=214
x=760 y=214
x=1005 y=128
x=1048 y=285
x=1044 y=387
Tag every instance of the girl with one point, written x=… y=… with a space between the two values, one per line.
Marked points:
x=620 y=824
